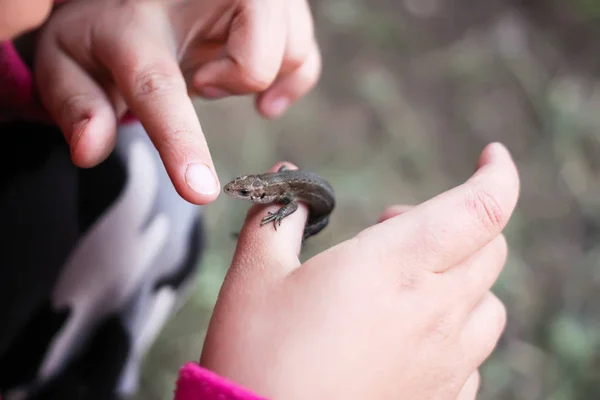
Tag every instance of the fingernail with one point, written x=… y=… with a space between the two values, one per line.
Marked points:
x=201 y=179
x=213 y=92
x=278 y=106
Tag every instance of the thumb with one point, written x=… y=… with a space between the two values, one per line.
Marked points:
x=263 y=248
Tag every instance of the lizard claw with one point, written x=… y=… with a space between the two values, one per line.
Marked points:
x=272 y=217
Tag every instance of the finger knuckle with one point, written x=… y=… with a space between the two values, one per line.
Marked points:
x=311 y=71
x=499 y=316
x=443 y=328
x=485 y=209
x=176 y=143
x=307 y=78
x=75 y=107
x=254 y=77
x=486 y=270
x=156 y=79
x=296 y=57
x=429 y=240
x=405 y=277
x=316 y=63
x=495 y=326
x=409 y=278
x=502 y=248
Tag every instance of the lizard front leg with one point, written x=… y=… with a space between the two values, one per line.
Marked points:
x=289 y=208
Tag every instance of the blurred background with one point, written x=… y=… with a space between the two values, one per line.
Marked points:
x=411 y=92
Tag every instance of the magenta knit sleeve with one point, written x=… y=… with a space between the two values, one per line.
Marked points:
x=197 y=383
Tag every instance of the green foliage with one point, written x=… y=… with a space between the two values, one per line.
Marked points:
x=590 y=8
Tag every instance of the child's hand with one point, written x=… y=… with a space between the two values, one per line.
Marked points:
x=97 y=58
x=401 y=311
x=19 y=16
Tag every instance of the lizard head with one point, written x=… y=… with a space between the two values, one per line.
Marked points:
x=249 y=187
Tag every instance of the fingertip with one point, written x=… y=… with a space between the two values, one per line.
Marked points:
x=280 y=164
x=193 y=197
x=197 y=182
x=224 y=77
x=76 y=103
x=92 y=140
x=202 y=179
x=273 y=108
x=288 y=88
x=494 y=152
x=212 y=92
x=496 y=158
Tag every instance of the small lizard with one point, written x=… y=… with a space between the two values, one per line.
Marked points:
x=287 y=187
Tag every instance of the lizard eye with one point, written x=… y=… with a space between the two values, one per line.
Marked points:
x=244 y=192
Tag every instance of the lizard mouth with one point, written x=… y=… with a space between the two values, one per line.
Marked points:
x=233 y=191
x=228 y=189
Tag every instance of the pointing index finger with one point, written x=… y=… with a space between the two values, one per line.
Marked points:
x=145 y=68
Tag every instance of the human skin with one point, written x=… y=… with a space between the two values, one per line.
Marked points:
x=147 y=56
x=19 y=16
x=446 y=268
x=401 y=310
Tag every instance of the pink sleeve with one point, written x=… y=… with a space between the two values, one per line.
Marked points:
x=197 y=383
x=18 y=94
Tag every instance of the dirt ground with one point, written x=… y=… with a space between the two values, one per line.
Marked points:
x=411 y=92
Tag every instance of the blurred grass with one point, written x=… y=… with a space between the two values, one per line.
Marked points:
x=411 y=91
